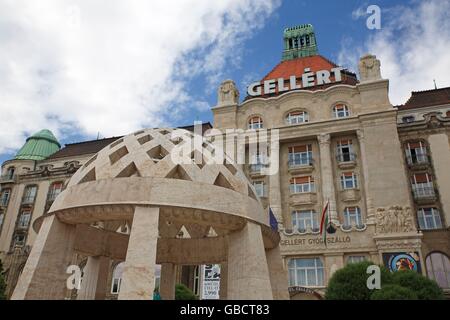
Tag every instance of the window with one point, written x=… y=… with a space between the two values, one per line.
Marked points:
x=54 y=190
x=10 y=172
x=429 y=218
x=306 y=272
x=197 y=280
x=352 y=217
x=304 y=220
x=341 y=111
x=19 y=240
x=447 y=114
x=255 y=123
x=260 y=188
x=4 y=199
x=29 y=195
x=117 y=278
x=408 y=119
x=345 y=151
x=422 y=185
x=300 y=155
x=356 y=259
x=302 y=184
x=24 y=219
x=2 y=217
x=438 y=269
x=416 y=153
x=296 y=117
x=349 y=180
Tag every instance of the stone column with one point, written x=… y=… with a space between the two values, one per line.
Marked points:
x=248 y=274
x=223 y=281
x=326 y=169
x=332 y=263
x=44 y=276
x=274 y=183
x=370 y=209
x=167 y=281
x=278 y=274
x=95 y=279
x=138 y=279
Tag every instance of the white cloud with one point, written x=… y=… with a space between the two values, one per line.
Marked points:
x=413 y=46
x=112 y=66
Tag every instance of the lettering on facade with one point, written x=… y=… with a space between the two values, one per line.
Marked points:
x=306 y=80
x=314 y=241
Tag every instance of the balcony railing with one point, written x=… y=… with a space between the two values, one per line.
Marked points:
x=420 y=158
x=8 y=178
x=4 y=202
x=300 y=162
x=423 y=192
x=52 y=196
x=345 y=157
x=28 y=200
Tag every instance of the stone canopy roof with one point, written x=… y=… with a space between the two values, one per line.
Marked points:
x=39 y=146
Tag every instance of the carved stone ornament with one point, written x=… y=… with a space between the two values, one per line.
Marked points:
x=394 y=219
x=228 y=93
x=369 y=68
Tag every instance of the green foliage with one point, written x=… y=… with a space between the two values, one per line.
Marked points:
x=350 y=282
x=393 y=292
x=2 y=283
x=184 y=293
x=424 y=288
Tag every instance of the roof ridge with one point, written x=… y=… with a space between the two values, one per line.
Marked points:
x=430 y=90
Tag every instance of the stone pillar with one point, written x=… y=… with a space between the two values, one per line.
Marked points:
x=370 y=209
x=95 y=279
x=248 y=274
x=274 y=183
x=440 y=154
x=44 y=275
x=138 y=278
x=326 y=168
x=332 y=263
x=167 y=281
x=223 y=281
x=278 y=274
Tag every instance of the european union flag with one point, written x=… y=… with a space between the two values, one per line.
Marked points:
x=273 y=220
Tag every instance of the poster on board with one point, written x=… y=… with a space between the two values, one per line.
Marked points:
x=396 y=261
x=210 y=282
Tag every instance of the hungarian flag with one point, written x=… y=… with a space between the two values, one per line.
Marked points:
x=324 y=222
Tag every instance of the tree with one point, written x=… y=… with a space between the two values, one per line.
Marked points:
x=184 y=293
x=424 y=288
x=2 y=283
x=393 y=292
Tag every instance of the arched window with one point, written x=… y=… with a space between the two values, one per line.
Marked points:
x=296 y=117
x=54 y=190
x=4 y=198
x=10 y=172
x=306 y=272
x=2 y=217
x=117 y=278
x=341 y=110
x=438 y=269
x=255 y=123
x=352 y=217
x=29 y=195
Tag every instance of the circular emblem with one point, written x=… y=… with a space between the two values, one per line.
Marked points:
x=403 y=262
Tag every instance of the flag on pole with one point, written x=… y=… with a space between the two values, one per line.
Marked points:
x=273 y=220
x=324 y=222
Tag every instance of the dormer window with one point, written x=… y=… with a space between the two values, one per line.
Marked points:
x=341 y=111
x=255 y=123
x=296 y=117
x=408 y=119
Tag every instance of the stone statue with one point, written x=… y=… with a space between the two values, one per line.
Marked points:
x=228 y=93
x=394 y=219
x=369 y=68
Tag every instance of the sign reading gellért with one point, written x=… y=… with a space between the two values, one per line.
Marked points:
x=306 y=80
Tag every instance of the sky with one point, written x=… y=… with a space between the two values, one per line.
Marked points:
x=90 y=68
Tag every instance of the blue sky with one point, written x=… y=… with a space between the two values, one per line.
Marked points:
x=78 y=85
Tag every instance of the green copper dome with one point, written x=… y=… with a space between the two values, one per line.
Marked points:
x=39 y=146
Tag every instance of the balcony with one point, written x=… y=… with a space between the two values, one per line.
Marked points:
x=298 y=166
x=418 y=161
x=8 y=178
x=350 y=195
x=424 y=195
x=346 y=160
x=256 y=170
x=302 y=198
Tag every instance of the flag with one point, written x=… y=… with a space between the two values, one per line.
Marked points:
x=273 y=220
x=324 y=222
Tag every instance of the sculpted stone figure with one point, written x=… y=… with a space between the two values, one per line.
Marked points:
x=394 y=219
x=228 y=93
x=369 y=68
